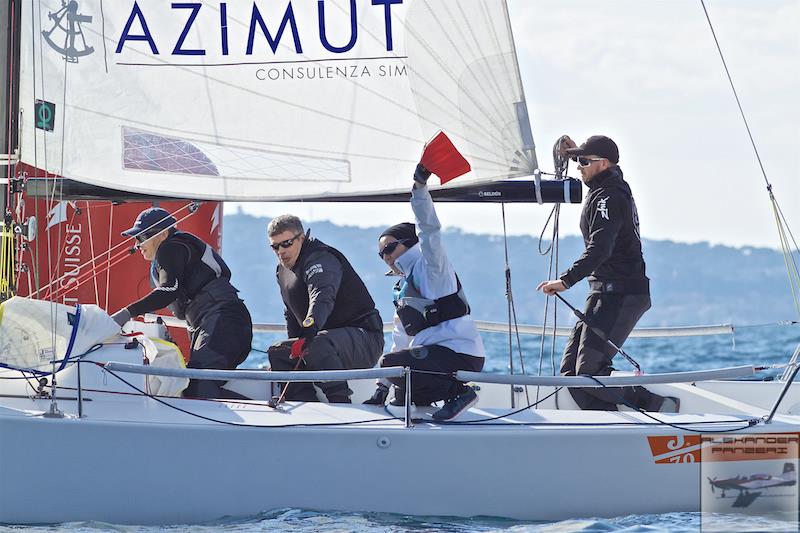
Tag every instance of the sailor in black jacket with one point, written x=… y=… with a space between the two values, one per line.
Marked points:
x=330 y=317
x=193 y=281
x=613 y=263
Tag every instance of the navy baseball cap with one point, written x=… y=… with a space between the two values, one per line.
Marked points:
x=151 y=221
x=598 y=145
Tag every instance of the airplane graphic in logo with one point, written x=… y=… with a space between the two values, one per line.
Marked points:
x=68 y=21
x=751 y=487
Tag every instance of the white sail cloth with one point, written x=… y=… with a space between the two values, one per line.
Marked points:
x=34 y=333
x=268 y=100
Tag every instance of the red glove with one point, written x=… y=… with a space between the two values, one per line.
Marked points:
x=298 y=349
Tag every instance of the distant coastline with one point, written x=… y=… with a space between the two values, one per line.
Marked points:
x=691 y=283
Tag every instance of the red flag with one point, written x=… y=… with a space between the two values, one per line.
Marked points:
x=442 y=158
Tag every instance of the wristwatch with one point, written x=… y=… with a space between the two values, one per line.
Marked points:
x=308 y=322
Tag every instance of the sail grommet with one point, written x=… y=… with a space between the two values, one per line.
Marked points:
x=383 y=442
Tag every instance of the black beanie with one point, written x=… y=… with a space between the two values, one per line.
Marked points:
x=405 y=231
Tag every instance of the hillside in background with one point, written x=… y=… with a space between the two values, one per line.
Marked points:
x=691 y=283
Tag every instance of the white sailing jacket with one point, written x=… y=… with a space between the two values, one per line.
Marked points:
x=433 y=276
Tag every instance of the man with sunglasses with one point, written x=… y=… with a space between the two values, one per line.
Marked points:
x=433 y=330
x=330 y=316
x=193 y=281
x=613 y=263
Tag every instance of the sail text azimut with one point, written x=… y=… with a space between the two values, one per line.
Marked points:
x=284 y=29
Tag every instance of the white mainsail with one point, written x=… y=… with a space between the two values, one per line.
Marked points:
x=268 y=100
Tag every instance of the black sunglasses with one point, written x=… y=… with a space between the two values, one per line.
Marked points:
x=144 y=236
x=586 y=161
x=389 y=248
x=284 y=244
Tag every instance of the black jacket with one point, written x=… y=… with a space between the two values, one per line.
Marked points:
x=610 y=228
x=323 y=285
x=188 y=276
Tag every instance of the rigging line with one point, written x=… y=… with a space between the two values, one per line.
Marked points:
x=89 y=275
x=91 y=249
x=556 y=249
x=108 y=254
x=229 y=423
x=550 y=270
x=786 y=235
x=508 y=299
x=103 y=30
x=788 y=259
x=519 y=346
x=10 y=100
x=512 y=313
x=53 y=314
x=735 y=95
x=117 y=254
x=787 y=226
x=492 y=418
x=750 y=423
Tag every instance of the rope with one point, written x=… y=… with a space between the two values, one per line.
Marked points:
x=112 y=260
x=782 y=225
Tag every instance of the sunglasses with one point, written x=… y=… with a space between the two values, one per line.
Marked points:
x=389 y=248
x=284 y=244
x=142 y=237
x=586 y=161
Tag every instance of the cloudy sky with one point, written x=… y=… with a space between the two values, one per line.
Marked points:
x=647 y=74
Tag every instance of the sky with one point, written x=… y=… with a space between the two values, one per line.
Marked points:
x=647 y=74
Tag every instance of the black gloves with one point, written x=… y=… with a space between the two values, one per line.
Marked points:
x=421 y=175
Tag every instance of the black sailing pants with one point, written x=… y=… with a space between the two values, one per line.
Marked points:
x=615 y=314
x=221 y=341
x=429 y=388
x=332 y=349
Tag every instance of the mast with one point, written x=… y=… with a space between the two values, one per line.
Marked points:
x=9 y=66
x=9 y=105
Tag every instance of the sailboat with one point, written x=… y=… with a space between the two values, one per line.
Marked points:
x=256 y=101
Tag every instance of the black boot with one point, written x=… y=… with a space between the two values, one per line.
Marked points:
x=379 y=396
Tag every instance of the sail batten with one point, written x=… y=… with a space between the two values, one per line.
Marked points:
x=268 y=100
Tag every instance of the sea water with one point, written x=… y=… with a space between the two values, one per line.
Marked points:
x=757 y=346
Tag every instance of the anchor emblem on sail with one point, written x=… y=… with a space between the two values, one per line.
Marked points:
x=68 y=21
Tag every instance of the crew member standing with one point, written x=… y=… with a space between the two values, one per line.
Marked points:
x=330 y=316
x=613 y=263
x=193 y=281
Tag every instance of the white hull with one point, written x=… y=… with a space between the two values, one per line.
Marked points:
x=132 y=460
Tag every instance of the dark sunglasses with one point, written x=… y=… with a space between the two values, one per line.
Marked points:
x=586 y=161
x=284 y=244
x=389 y=248
x=143 y=237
